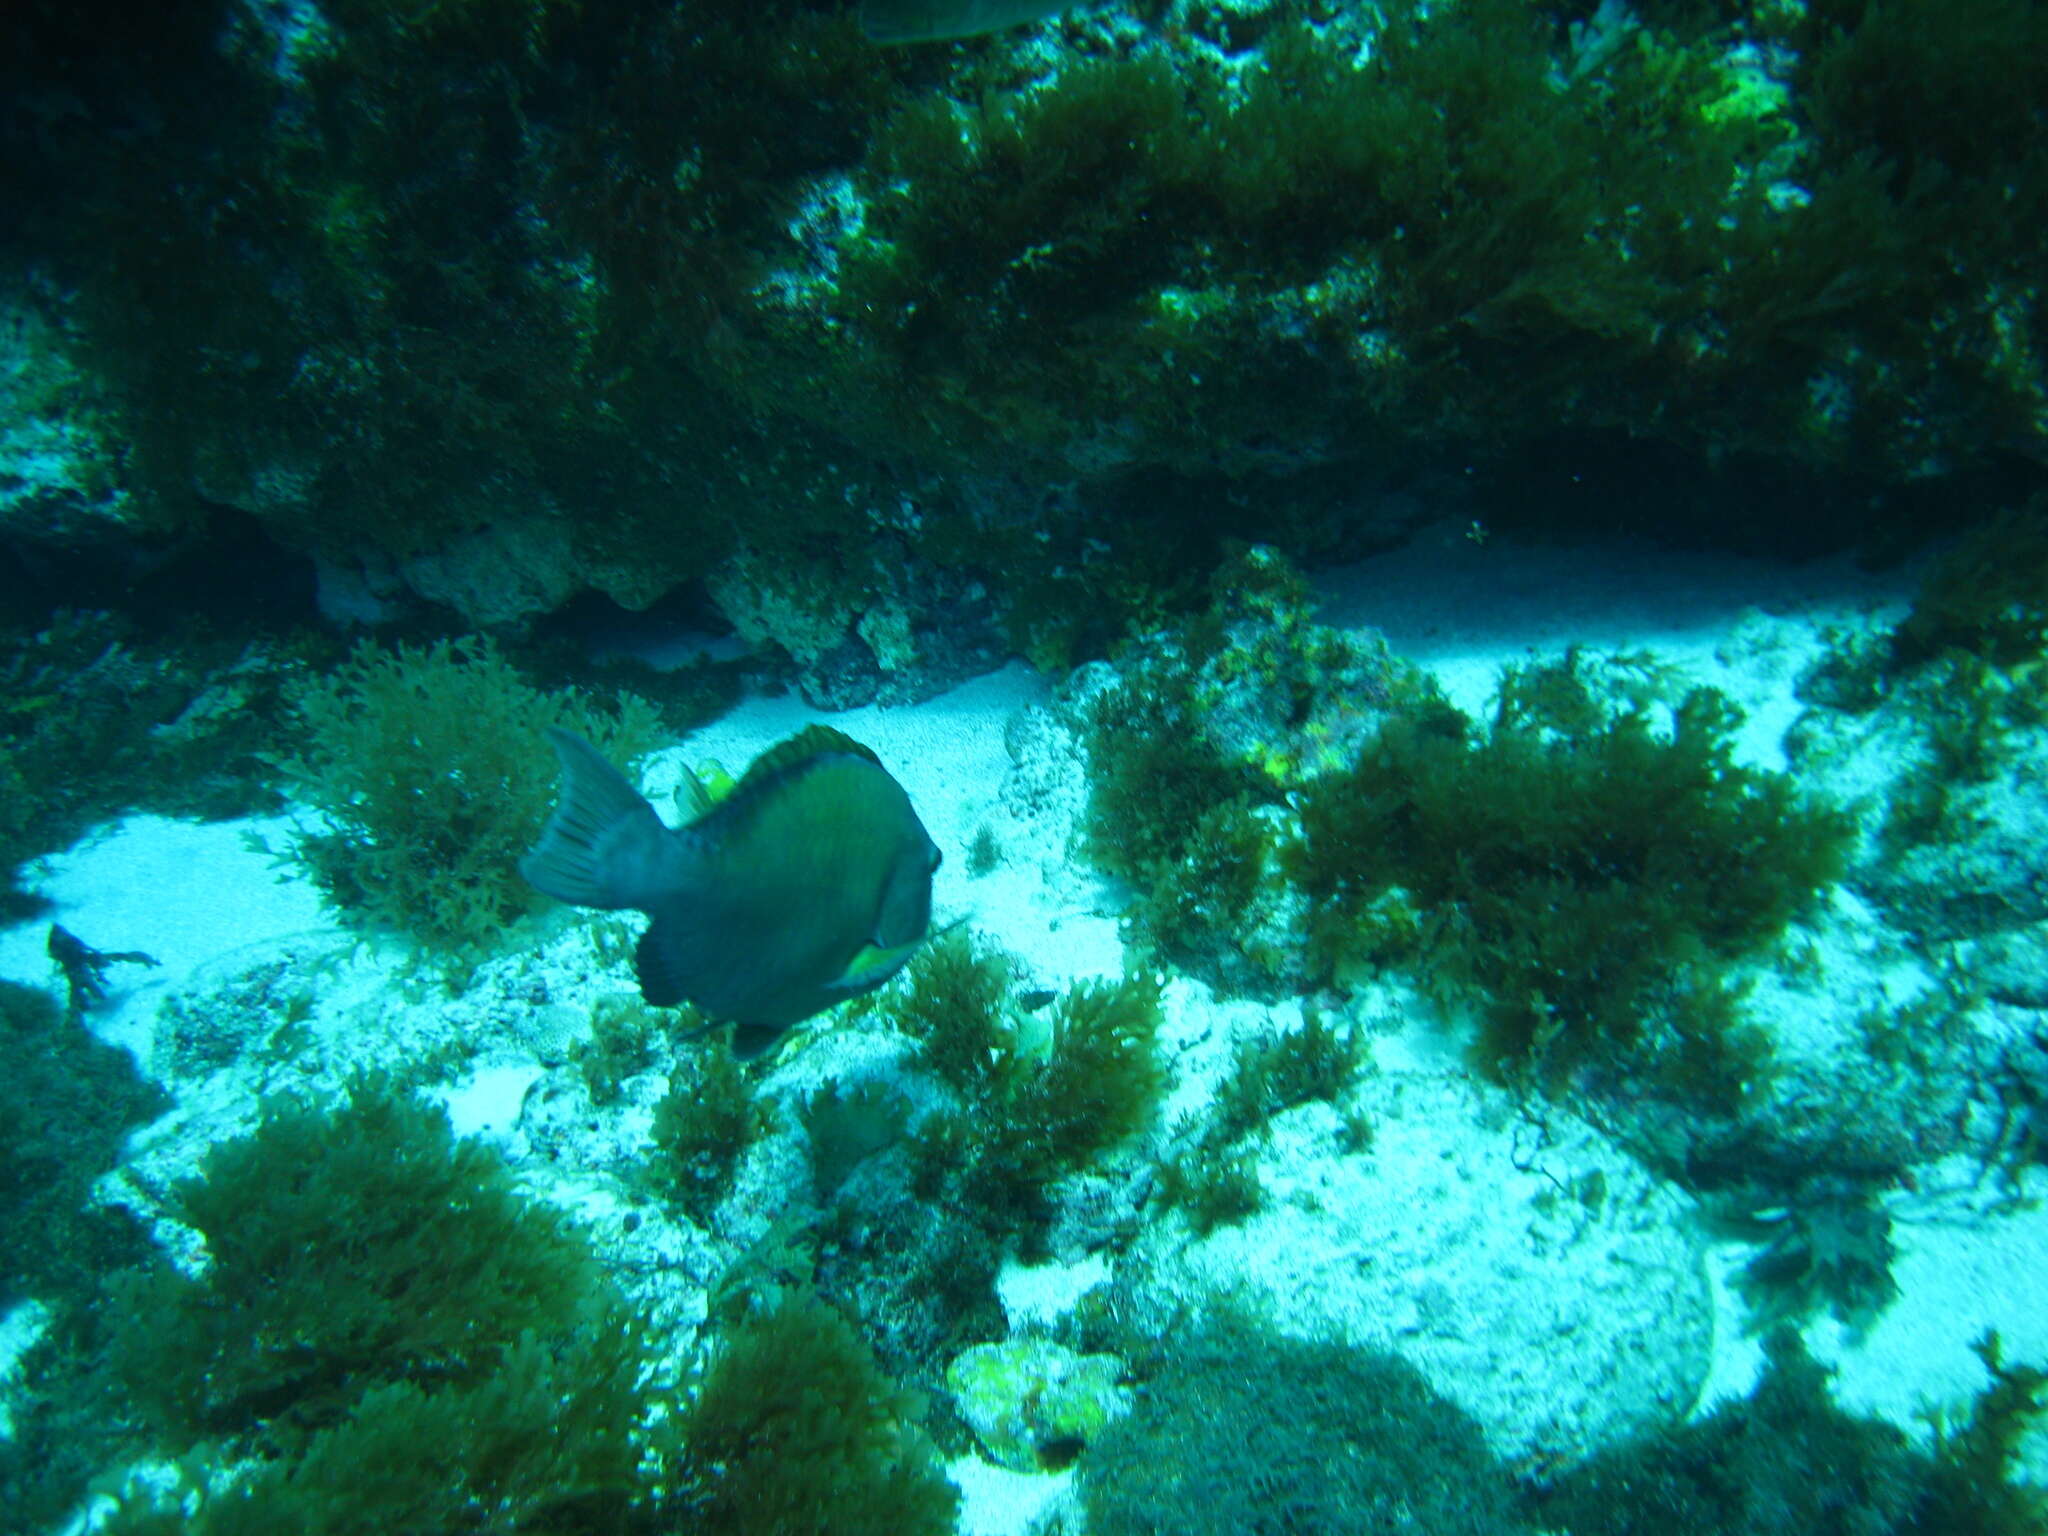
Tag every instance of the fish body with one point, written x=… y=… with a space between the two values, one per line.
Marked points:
x=934 y=21
x=809 y=882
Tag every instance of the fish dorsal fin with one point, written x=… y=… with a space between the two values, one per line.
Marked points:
x=813 y=741
x=704 y=786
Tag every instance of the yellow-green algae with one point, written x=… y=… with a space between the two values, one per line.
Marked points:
x=1035 y=1404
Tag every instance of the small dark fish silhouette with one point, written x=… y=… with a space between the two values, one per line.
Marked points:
x=809 y=883
x=85 y=968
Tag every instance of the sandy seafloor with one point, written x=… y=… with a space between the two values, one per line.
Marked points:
x=1557 y=1330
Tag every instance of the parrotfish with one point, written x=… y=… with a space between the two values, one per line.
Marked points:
x=808 y=882
x=935 y=21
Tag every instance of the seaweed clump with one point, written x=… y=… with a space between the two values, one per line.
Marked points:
x=387 y=1336
x=1031 y=1099
x=1047 y=1097
x=623 y=1030
x=1100 y=1080
x=1039 y=1097
x=702 y=1127
x=1194 y=752
x=66 y=1103
x=1273 y=1073
x=1828 y=1248
x=378 y=1294
x=1230 y=273
x=1589 y=878
x=432 y=773
x=1986 y=597
x=1973 y=1489
x=1295 y=808
x=1244 y=1431
x=792 y=1427
x=1786 y=1458
x=1214 y=1176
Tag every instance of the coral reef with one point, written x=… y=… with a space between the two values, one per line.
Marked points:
x=884 y=364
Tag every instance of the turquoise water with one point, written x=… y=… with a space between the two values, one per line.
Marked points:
x=1420 y=904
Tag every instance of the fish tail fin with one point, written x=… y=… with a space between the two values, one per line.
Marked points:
x=603 y=846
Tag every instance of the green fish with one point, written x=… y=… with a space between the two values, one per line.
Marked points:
x=936 y=21
x=807 y=883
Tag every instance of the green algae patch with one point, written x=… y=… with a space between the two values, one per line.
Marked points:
x=794 y=1428
x=379 y=1294
x=1293 y=808
x=1238 y=1423
x=1194 y=752
x=431 y=768
x=1036 y=1405
x=1022 y=1099
x=1590 y=882
x=702 y=1127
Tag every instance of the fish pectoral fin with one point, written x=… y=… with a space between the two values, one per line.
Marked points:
x=683 y=958
x=876 y=963
x=665 y=975
x=873 y=965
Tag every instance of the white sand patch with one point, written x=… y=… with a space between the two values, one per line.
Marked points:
x=1534 y=1273
x=1464 y=609
x=488 y=1103
x=1969 y=1262
x=995 y=1501
x=1037 y=1296
x=189 y=894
